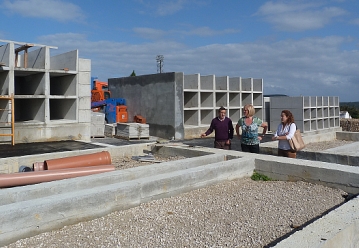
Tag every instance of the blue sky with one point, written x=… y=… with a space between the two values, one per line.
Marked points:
x=308 y=48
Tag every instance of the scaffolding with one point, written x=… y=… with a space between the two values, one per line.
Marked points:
x=10 y=109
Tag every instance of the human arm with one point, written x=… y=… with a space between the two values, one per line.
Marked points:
x=209 y=131
x=275 y=137
x=291 y=132
x=237 y=131
x=230 y=130
x=265 y=128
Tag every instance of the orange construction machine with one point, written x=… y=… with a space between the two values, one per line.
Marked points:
x=99 y=90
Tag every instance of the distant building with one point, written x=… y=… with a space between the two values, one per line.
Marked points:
x=345 y=115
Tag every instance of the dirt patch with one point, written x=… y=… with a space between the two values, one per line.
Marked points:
x=122 y=163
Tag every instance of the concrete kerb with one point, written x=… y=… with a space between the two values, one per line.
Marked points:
x=12 y=164
x=339 y=228
x=36 y=191
x=21 y=220
x=333 y=175
x=345 y=155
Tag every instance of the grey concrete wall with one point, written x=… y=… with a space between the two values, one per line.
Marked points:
x=293 y=104
x=329 y=174
x=157 y=97
x=351 y=136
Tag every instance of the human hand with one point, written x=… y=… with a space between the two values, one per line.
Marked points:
x=203 y=135
x=260 y=138
x=228 y=142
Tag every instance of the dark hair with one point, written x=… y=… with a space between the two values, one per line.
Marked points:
x=221 y=108
x=290 y=117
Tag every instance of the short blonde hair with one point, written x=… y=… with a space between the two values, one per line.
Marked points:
x=251 y=110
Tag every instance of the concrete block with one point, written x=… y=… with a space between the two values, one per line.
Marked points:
x=133 y=130
x=84 y=116
x=97 y=130
x=84 y=90
x=84 y=102
x=85 y=65
x=110 y=129
x=97 y=118
x=84 y=78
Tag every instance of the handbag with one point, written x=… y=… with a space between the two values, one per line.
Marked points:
x=296 y=142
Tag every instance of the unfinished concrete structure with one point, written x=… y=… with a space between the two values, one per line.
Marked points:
x=51 y=94
x=182 y=106
x=97 y=195
x=311 y=113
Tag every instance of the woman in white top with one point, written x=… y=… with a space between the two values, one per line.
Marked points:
x=284 y=133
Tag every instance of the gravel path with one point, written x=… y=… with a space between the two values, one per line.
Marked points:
x=238 y=213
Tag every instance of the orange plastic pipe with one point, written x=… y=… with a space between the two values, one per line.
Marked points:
x=99 y=158
x=32 y=177
x=38 y=166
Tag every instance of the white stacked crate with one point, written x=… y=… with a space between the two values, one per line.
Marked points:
x=133 y=131
x=97 y=124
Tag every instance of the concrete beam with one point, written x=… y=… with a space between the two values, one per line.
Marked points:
x=333 y=175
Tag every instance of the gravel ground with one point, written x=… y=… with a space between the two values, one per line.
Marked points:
x=238 y=213
x=320 y=146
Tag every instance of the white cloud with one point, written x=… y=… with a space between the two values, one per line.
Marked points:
x=355 y=21
x=310 y=66
x=52 y=9
x=157 y=34
x=149 y=33
x=207 y=31
x=170 y=7
x=297 y=16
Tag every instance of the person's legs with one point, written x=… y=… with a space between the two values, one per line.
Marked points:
x=287 y=153
x=292 y=154
x=227 y=146
x=281 y=153
x=217 y=145
x=254 y=148
x=245 y=148
x=222 y=145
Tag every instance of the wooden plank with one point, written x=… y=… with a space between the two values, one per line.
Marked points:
x=23 y=47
